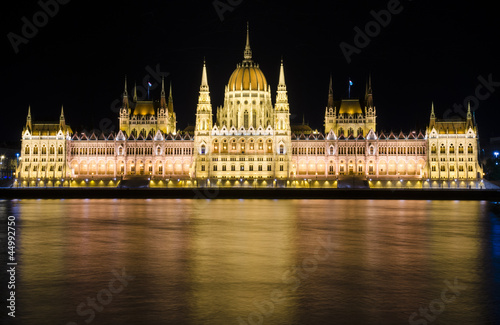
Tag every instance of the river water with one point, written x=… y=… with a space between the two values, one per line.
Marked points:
x=254 y=262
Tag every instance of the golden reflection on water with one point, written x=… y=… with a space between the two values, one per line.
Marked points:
x=244 y=261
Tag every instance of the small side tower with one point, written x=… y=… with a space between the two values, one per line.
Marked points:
x=202 y=129
x=370 y=110
x=125 y=110
x=330 y=112
x=204 y=108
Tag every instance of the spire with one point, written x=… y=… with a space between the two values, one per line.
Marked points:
x=28 y=119
x=281 y=96
x=248 y=51
x=469 y=117
x=163 y=101
x=204 y=79
x=162 y=86
x=125 y=93
x=135 y=92
x=62 y=121
x=369 y=92
x=432 y=122
x=282 y=75
x=170 y=100
x=204 y=107
x=330 y=93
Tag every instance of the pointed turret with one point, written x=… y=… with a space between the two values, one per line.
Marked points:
x=125 y=94
x=204 y=108
x=170 y=104
x=62 y=121
x=282 y=108
x=281 y=94
x=204 y=79
x=432 y=122
x=369 y=92
x=135 y=93
x=282 y=75
x=470 y=123
x=330 y=93
x=163 y=99
x=28 y=119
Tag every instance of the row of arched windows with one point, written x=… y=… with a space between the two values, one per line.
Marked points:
x=350 y=131
x=35 y=151
x=451 y=149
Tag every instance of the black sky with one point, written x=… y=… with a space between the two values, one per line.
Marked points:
x=430 y=51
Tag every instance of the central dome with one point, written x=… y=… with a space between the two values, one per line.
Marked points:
x=246 y=75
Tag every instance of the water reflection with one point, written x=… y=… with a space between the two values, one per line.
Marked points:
x=255 y=261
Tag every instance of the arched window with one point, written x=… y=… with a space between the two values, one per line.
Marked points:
x=452 y=148
x=27 y=150
x=44 y=150
x=433 y=148
x=442 y=149
x=203 y=148
x=51 y=150
x=350 y=131
x=360 y=132
x=332 y=150
x=158 y=150
x=269 y=146
x=35 y=150
x=282 y=149
x=470 y=149
x=60 y=150
x=245 y=119
x=460 y=148
x=120 y=150
x=341 y=131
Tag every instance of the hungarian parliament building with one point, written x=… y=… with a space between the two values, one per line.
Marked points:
x=251 y=143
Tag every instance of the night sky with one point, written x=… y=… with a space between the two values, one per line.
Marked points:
x=429 y=51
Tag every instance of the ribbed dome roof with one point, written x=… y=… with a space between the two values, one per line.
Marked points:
x=246 y=74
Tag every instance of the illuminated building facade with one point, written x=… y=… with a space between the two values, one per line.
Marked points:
x=251 y=143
